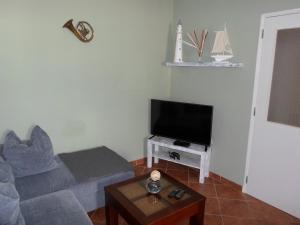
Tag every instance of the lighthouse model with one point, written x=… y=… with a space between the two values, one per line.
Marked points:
x=178 y=46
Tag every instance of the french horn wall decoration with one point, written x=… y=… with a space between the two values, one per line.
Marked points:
x=83 y=30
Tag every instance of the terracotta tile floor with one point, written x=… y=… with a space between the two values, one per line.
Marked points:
x=225 y=204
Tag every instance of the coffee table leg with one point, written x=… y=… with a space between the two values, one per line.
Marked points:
x=111 y=215
x=197 y=219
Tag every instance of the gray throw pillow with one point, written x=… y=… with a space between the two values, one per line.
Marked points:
x=10 y=213
x=6 y=174
x=31 y=158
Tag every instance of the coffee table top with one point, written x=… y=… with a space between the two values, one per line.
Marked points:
x=133 y=196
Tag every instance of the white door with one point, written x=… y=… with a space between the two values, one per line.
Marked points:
x=273 y=167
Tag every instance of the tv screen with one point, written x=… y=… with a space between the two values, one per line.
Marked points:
x=182 y=121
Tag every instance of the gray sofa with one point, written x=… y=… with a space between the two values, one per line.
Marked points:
x=63 y=196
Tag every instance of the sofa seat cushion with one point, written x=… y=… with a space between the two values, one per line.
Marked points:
x=91 y=164
x=91 y=193
x=58 y=208
x=94 y=169
x=36 y=185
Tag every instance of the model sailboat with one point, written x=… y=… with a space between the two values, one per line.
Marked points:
x=222 y=50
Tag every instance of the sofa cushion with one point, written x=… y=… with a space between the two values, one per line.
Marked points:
x=36 y=185
x=94 y=163
x=58 y=208
x=6 y=174
x=91 y=193
x=10 y=213
x=93 y=169
x=32 y=158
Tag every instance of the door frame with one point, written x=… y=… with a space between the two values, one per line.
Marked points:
x=256 y=83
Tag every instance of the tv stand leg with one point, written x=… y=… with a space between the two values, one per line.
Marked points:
x=207 y=162
x=202 y=168
x=156 y=149
x=149 y=154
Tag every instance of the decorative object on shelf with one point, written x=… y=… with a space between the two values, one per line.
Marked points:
x=197 y=42
x=83 y=31
x=174 y=155
x=178 y=46
x=153 y=182
x=222 y=50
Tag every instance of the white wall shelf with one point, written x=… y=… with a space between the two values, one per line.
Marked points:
x=205 y=64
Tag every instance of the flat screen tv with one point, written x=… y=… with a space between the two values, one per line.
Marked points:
x=184 y=122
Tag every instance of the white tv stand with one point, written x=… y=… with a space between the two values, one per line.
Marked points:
x=194 y=156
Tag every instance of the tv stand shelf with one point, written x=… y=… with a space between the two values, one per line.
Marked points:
x=196 y=156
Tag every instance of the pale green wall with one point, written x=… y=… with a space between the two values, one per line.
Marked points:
x=229 y=90
x=97 y=94
x=83 y=95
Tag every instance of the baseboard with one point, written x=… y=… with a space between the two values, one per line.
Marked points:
x=226 y=181
x=213 y=175
x=138 y=162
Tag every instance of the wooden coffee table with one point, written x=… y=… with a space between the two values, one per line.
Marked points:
x=131 y=200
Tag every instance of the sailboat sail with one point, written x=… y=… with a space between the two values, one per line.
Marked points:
x=219 y=44
x=227 y=48
x=222 y=49
x=222 y=44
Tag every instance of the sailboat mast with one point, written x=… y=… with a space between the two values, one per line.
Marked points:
x=225 y=37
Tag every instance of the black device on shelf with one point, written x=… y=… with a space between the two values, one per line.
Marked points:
x=182 y=143
x=185 y=122
x=174 y=155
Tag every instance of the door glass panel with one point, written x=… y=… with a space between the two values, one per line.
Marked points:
x=284 y=106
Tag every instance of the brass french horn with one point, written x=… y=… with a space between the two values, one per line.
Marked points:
x=83 y=31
